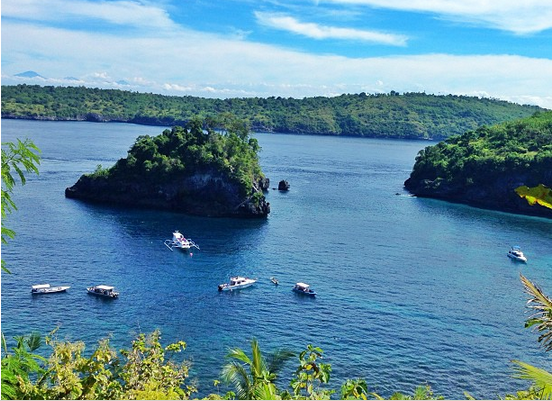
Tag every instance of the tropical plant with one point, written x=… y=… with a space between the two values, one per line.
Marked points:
x=311 y=375
x=541 y=321
x=254 y=377
x=17 y=159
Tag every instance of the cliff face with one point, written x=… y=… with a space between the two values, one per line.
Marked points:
x=499 y=195
x=484 y=168
x=207 y=193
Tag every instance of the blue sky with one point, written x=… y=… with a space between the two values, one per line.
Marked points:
x=245 y=48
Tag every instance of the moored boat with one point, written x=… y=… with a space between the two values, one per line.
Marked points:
x=103 y=291
x=47 y=289
x=178 y=241
x=303 y=288
x=237 y=283
x=516 y=253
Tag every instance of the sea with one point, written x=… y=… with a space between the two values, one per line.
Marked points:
x=411 y=291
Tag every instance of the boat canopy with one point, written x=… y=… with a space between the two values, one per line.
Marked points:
x=104 y=287
x=302 y=285
x=40 y=286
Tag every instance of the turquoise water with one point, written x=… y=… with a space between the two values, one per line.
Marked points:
x=411 y=291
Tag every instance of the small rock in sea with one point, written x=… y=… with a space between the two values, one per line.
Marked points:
x=283 y=185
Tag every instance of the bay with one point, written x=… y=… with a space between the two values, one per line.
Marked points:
x=411 y=290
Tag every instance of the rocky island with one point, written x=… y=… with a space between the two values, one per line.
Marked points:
x=207 y=167
x=491 y=167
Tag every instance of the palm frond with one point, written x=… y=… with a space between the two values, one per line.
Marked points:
x=540 y=377
x=541 y=320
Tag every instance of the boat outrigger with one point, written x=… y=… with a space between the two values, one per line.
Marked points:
x=237 y=283
x=47 y=289
x=180 y=242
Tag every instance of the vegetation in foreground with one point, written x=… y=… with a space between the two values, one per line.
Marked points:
x=393 y=115
x=488 y=166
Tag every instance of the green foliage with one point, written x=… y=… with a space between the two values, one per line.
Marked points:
x=311 y=375
x=253 y=377
x=521 y=149
x=144 y=372
x=410 y=115
x=17 y=159
x=221 y=144
x=539 y=194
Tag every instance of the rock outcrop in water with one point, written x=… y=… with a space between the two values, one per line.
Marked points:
x=483 y=168
x=193 y=170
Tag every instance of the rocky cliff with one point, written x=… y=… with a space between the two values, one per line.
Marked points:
x=193 y=169
x=483 y=168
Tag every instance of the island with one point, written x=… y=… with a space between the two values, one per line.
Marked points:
x=494 y=167
x=209 y=167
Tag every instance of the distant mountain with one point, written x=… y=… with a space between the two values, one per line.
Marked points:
x=29 y=74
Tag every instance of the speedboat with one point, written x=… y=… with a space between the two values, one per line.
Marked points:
x=180 y=242
x=237 y=283
x=303 y=288
x=47 y=289
x=515 y=253
x=103 y=291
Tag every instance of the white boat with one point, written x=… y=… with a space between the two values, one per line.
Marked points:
x=180 y=242
x=303 y=288
x=516 y=253
x=47 y=289
x=237 y=283
x=103 y=291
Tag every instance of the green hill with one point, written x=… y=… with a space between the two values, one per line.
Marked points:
x=485 y=167
x=393 y=115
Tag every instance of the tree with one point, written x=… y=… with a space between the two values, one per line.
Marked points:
x=253 y=378
x=17 y=159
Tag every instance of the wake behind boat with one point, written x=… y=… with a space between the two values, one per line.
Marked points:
x=47 y=289
x=237 y=283
x=516 y=253
x=180 y=242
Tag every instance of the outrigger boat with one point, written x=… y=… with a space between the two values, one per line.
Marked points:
x=180 y=242
x=47 y=289
x=103 y=291
x=303 y=288
x=237 y=283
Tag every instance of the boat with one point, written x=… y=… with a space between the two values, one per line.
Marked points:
x=47 y=289
x=103 y=291
x=237 y=283
x=180 y=242
x=303 y=288
x=516 y=253
x=274 y=280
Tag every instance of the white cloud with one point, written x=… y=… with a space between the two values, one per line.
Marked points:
x=520 y=17
x=317 y=31
x=181 y=61
x=123 y=13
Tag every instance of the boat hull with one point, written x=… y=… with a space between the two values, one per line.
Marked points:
x=522 y=259
x=310 y=293
x=51 y=290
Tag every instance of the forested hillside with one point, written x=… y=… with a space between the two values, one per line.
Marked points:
x=485 y=167
x=393 y=115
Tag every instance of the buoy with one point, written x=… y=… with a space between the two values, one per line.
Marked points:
x=191 y=254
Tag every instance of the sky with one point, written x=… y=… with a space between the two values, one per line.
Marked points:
x=288 y=48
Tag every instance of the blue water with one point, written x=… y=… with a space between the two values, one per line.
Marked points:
x=411 y=291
